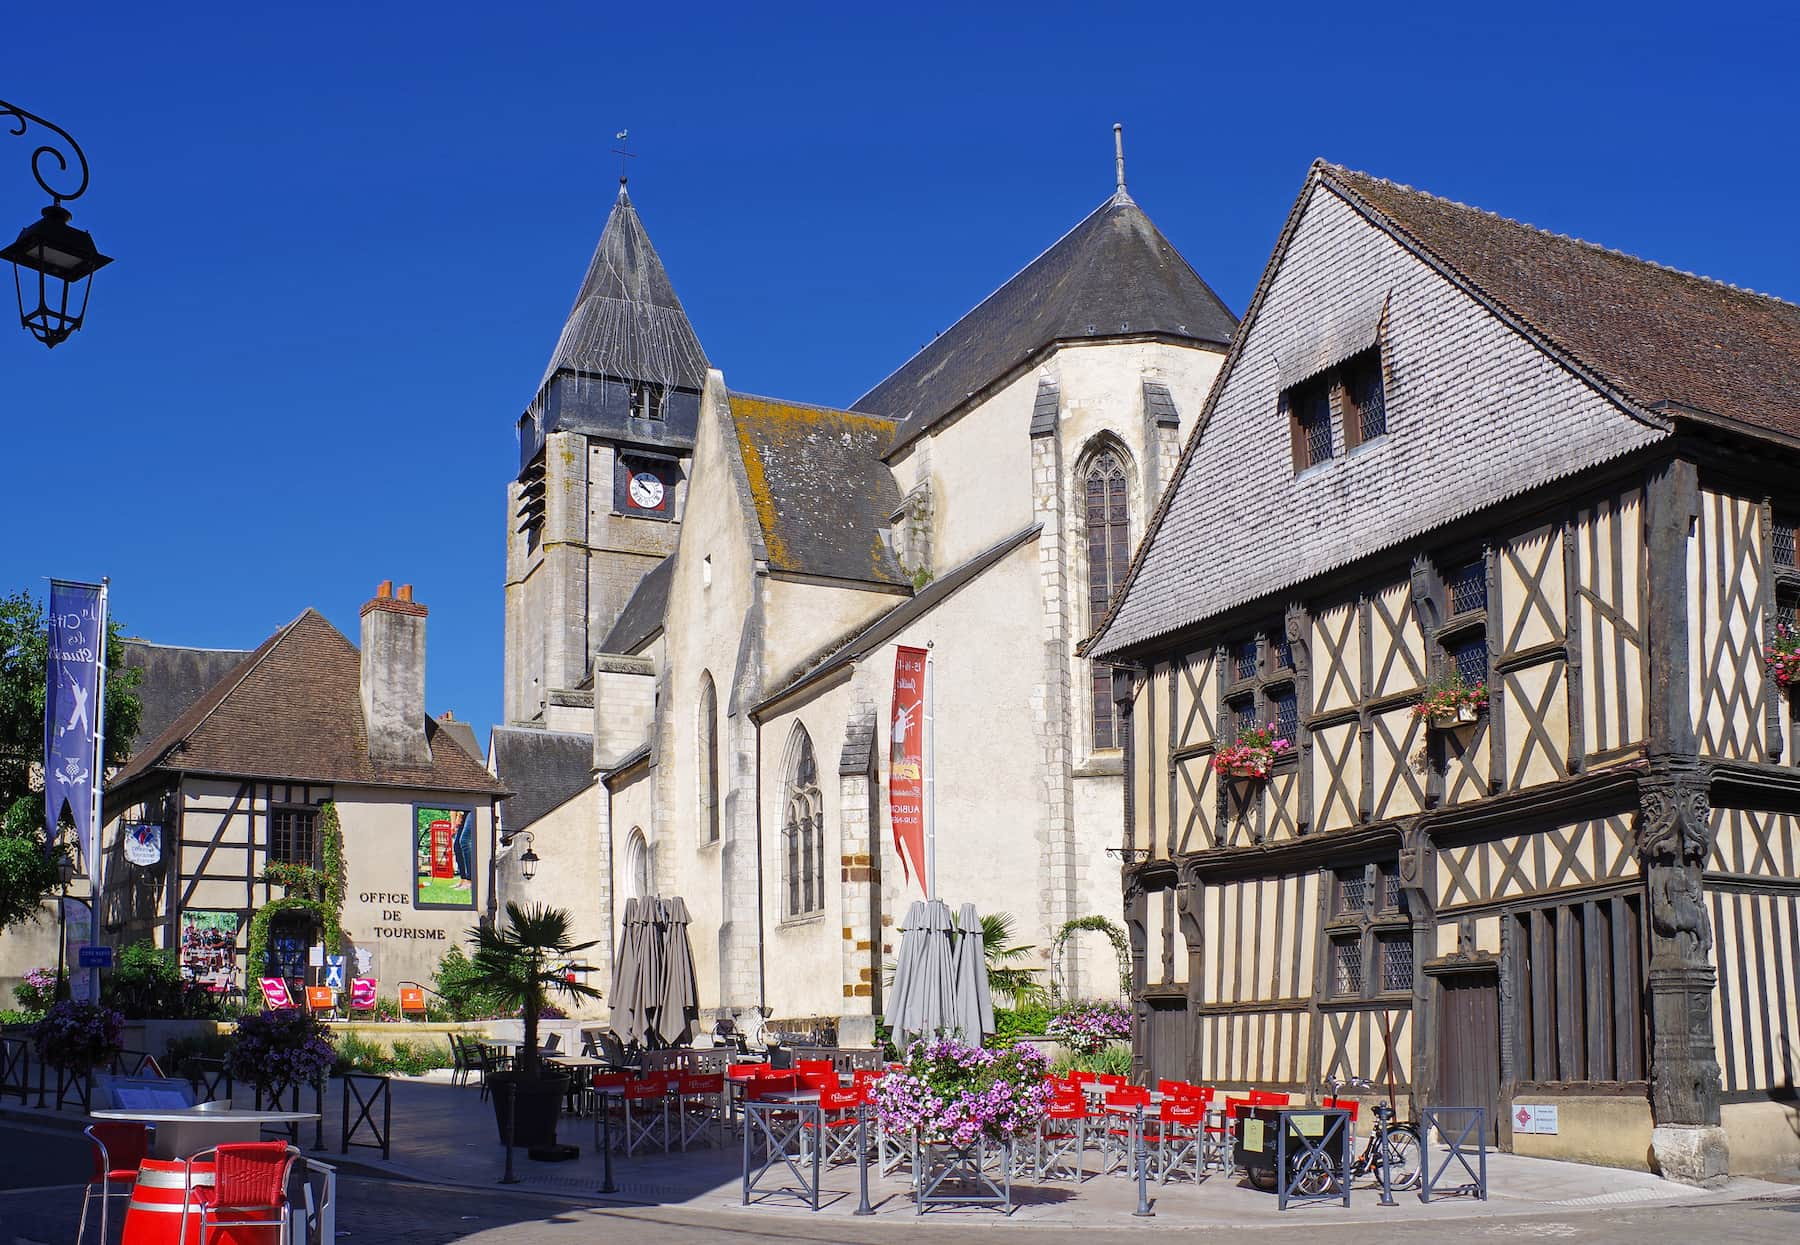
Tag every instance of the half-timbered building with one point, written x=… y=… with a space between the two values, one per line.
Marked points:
x=1553 y=484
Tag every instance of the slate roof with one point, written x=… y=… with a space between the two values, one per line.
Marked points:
x=545 y=768
x=821 y=491
x=1649 y=343
x=293 y=710
x=643 y=614
x=173 y=678
x=626 y=320
x=462 y=733
x=1113 y=274
x=1660 y=335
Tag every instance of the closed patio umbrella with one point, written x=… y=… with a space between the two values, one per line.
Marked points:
x=680 y=998
x=973 y=1007
x=628 y=994
x=924 y=976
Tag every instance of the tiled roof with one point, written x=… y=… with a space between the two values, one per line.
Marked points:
x=642 y=616
x=1481 y=323
x=545 y=768
x=293 y=710
x=1113 y=274
x=1658 y=334
x=821 y=491
x=173 y=678
x=626 y=320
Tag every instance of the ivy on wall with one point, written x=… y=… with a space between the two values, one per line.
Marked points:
x=319 y=891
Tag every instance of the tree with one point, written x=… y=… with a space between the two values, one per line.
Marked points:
x=1007 y=979
x=524 y=963
x=27 y=871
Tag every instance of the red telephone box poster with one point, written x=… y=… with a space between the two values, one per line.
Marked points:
x=443 y=857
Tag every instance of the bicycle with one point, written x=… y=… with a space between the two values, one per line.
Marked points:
x=1402 y=1143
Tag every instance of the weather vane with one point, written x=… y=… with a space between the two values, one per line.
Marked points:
x=623 y=154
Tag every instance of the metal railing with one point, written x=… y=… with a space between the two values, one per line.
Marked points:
x=1467 y=1123
x=369 y=1092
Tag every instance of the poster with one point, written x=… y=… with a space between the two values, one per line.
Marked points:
x=209 y=949
x=906 y=761
x=443 y=857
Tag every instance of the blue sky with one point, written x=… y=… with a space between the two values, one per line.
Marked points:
x=346 y=235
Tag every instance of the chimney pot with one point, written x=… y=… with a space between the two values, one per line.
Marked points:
x=384 y=589
x=406 y=592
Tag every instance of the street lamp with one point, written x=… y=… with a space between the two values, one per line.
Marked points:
x=528 y=860
x=62 y=258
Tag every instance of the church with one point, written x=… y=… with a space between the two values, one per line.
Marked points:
x=705 y=590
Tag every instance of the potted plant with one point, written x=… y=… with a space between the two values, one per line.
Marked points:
x=77 y=1039
x=520 y=965
x=1252 y=754
x=279 y=1050
x=1449 y=702
x=1781 y=656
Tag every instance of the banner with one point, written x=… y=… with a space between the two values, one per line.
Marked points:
x=906 y=761
x=72 y=712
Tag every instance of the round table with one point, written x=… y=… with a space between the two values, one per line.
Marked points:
x=161 y=1189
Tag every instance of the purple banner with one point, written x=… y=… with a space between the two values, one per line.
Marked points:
x=72 y=711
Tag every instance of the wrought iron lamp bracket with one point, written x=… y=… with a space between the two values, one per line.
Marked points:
x=20 y=122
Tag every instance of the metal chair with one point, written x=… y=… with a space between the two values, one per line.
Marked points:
x=462 y=1063
x=249 y=1189
x=834 y=1135
x=646 y=1111
x=1118 y=1120
x=1180 y=1139
x=1060 y=1151
x=119 y=1149
x=700 y=1113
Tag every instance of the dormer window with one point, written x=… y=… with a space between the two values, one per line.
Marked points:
x=646 y=400
x=1353 y=391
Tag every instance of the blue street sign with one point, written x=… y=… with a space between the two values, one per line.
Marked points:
x=95 y=957
x=334 y=971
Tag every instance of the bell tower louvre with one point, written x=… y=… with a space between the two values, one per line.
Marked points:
x=604 y=451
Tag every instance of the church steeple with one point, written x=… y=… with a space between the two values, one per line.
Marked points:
x=626 y=324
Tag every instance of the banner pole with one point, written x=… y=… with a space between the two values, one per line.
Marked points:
x=930 y=782
x=97 y=832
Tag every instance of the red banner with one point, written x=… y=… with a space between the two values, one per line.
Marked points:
x=906 y=761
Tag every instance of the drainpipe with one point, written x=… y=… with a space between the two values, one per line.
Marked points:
x=762 y=941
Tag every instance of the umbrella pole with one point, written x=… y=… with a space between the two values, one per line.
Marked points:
x=930 y=780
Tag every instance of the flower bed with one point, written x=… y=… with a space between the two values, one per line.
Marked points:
x=1452 y=702
x=1088 y=1028
x=952 y=1094
x=1252 y=754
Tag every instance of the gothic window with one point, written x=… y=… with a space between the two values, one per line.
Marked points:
x=294 y=836
x=706 y=758
x=803 y=830
x=1107 y=507
x=637 y=865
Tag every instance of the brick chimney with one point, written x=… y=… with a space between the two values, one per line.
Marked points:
x=393 y=677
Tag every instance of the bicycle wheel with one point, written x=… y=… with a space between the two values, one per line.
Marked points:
x=1314 y=1175
x=1405 y=1156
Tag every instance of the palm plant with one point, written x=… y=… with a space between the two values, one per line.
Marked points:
x=523 y=963
x=1007 y=979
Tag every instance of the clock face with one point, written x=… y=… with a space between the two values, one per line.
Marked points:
x=646 y=490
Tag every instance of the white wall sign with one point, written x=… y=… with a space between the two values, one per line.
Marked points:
x=1534 y=1118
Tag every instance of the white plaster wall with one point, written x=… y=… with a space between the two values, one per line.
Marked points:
x=815 y=618
x=981 y=474
x=571 y=875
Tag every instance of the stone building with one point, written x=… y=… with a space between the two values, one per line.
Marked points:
x=1446 y=452
x=982 y=500
x=292 y=755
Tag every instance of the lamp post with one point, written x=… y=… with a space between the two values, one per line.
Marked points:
x=65 y=873
x=528 y=859
x=61 y=259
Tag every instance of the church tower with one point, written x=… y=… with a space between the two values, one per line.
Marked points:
x=604 y=450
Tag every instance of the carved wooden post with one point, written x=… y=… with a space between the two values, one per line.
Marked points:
x=1674 y=838
x=1190 y=898
x=1137 y=929
x=1297 y=625
x=1428 y=615
x=1418 y=878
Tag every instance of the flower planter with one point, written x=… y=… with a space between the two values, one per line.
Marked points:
x=1450 y=719
x=949 y=1174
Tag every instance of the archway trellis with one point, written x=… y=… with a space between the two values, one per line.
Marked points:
x=1094 y=925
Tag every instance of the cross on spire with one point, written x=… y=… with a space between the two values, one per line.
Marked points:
x=620 y=151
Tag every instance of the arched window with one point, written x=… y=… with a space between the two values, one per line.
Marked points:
x=1107 y=507
x=637 y=865
x=803 y=829
x=706 y=759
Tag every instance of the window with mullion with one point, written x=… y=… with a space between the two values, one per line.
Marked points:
x=1467 y=587
x=1368 y=401
x=293 y=836
x=1312 y=409
x=1781 y=537
x=1284 y=709
x=1469 y=657
x=1107 y=515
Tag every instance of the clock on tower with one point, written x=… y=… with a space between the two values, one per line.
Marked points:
x=643 y=487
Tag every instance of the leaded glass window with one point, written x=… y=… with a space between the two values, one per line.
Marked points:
x=1362 y=381
x=1346 y=966
x=1244 y=658
x=1107 y=514
x=1312 y=411
x=1782 y=537
x=1396 y=963
x=1468 y=588
x=1471 y=659
x=1286 y=708
x=803 y=830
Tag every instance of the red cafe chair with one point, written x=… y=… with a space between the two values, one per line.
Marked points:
x=249 y=1189
x=838 y=1136
x=1118 y=1117
x=119 y=1148
x=698 y=1111
x=1180 y=1141
x=646 y=1102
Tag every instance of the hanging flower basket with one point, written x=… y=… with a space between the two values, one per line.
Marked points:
x=1451 y=703
x=1781 y=656
x=1252 y=755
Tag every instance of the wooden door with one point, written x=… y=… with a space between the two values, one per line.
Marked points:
x=1168 y=1040
x=1468 y=1044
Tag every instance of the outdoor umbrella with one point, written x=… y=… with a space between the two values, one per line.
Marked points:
x=680 y=999
x=923 y=978
x=973 y=1009
x=628 y=996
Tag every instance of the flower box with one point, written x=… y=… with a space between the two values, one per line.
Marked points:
x=1781 y=656
x=1252 y=755
x=1450 y=704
